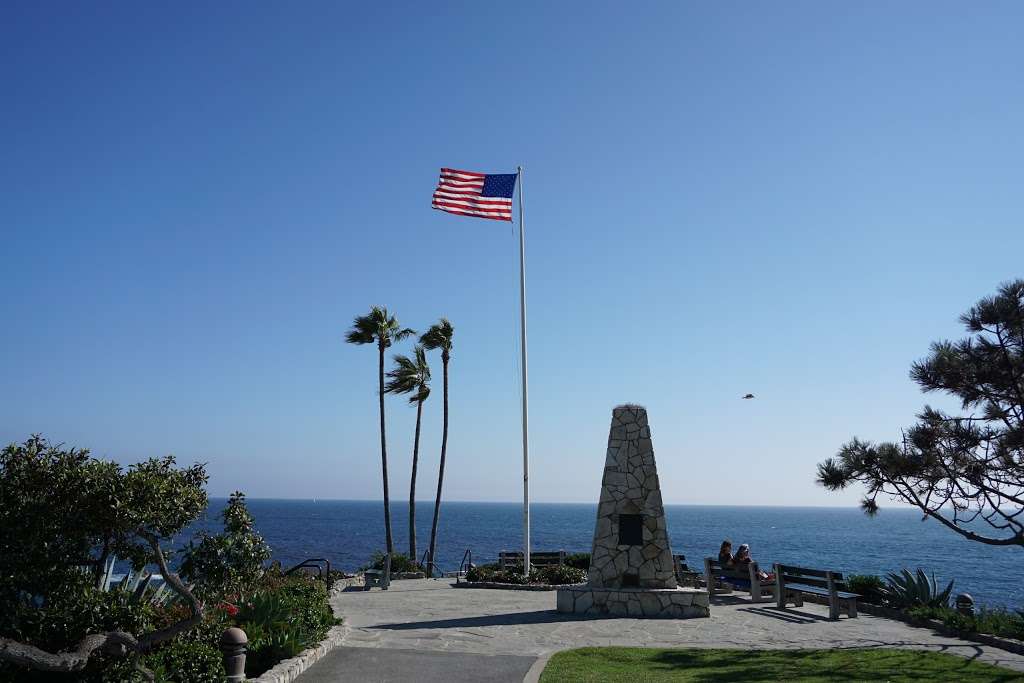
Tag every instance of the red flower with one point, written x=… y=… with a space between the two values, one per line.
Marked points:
x=229 y=608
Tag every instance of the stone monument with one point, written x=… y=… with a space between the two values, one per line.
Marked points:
x=631 y=569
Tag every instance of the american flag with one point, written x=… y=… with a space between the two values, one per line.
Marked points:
x=475 y=194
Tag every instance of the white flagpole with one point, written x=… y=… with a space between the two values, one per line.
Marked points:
x=526 y=428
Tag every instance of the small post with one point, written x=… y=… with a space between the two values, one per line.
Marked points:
x=385 y=579
x=233 y=645
x=965 y=604
x=780 y=587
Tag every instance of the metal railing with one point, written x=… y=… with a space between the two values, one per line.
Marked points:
x=465 y=565
x=318 y=563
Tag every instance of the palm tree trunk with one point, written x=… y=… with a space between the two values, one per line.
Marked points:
x=412 y=484
x=440 y=474
x=384 y=457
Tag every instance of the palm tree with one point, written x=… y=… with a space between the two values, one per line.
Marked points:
x=412 y=376
x=382 y=328
x=439 y=336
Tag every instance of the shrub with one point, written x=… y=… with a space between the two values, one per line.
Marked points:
x=905 y=590
x=187 y=661
x=399 y=563
x=285 y=616
x=578 y=560
x=871 y=588
x=230 y=562
x=558 y=575
x=554 y=575
x=495 y=574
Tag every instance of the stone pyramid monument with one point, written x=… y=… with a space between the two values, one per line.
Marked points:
x=631 y=569
x=631 y=548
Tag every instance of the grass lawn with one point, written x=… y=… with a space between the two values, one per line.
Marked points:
x=806 y=666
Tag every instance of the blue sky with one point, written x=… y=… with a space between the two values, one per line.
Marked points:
x=791 y=199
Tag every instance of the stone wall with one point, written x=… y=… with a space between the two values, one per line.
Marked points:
x=671 y=603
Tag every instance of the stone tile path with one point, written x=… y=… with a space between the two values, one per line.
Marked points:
x=427 y=616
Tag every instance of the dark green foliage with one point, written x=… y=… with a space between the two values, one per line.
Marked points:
x=578 y=560
x=495 y=574
x=282 y=618
x=870 y=587
x=552 y=576
x=188 y=661
x=60 y=507
x=961 y=470
x=906 y=589
x=63 y=512
x=410 y=376
x=399 y=563
x=558 y=575
x=998 y=622
x=227 y=563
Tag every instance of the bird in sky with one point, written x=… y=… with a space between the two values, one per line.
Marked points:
x=749 y=396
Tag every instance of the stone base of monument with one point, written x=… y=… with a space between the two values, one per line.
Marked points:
x=669 y=603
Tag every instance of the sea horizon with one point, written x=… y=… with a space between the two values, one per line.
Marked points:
x=349 y=532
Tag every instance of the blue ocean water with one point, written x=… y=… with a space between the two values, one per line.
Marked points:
x=844 y=539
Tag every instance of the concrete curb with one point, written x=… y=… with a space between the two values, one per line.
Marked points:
x=533 y=675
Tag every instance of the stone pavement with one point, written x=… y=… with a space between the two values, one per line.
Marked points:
x=418 y=619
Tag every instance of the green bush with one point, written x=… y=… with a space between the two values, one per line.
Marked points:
x=871 y=588
x=187 y=661
x=1000 y=622
x=399 y=563
x=554 y=575
x=995 y=621
x=495 y=574
x=283 y=617
x=558 y=575
x=578 y=560
x=226 y=564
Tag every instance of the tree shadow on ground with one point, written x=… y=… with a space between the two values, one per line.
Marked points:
x=786 y=615
x=509 y=619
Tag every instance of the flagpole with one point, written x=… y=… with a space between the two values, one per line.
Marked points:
x=526 y=427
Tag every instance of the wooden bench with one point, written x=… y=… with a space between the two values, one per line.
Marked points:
x=742 y=578
x=684 y=575
x=509 y=559
x=792 y=583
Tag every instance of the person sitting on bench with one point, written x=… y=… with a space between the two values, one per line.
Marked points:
x=725 y=554
x=743 y=558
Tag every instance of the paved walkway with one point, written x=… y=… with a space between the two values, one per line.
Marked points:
x=420 y=622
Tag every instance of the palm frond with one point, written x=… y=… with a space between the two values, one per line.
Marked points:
x=378 y=326
x=363 y=331
x=439 y=336
x=410 y=376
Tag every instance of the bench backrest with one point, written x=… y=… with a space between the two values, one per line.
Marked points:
x=818 y=578
x=740 y=572
x=511 y=558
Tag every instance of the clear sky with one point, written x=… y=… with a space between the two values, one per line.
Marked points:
x=790 y=199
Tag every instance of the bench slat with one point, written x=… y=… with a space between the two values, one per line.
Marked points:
x=804 y=580
x=842 y=595
x=805 y=571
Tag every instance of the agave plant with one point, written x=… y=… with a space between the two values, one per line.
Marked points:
x=905 y=590
x=138 y=583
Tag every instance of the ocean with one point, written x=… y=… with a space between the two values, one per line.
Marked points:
x=844 y=539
